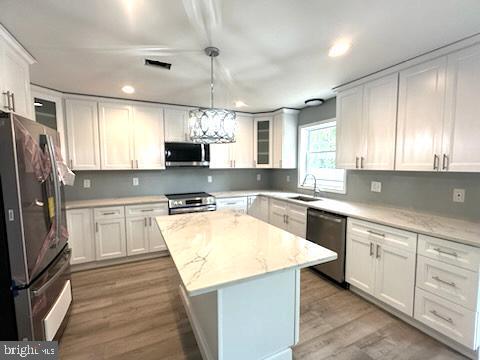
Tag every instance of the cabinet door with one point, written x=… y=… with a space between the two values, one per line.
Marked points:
x=242 y=148
x=461 y=147
x=236 y=204
x=360 y=262
x=149 y=137
x=278 y=213
x=395 y=277
x=258 y=207
x=137 y=235
x=80 y=235
x=297 y=220
x=220 y=156
x=349 y=128
x=380 y=123
x=116 y=137
x=263 y=142
x=176 y=125
x=284 y=140
x=420 y=116
x=156 y=241
x=17 y=81
x=82 y=134
x=110 y=239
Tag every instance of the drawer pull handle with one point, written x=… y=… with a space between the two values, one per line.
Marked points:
x=147 y=210
x=378 y=251
x=376 y=233
x=109 y=213
x=449 y=283
x=440 y=251
x=145 y=222
x=371 y=249
x=445 y=318
x=150 y=222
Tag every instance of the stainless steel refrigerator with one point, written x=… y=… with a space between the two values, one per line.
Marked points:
x=35 y=289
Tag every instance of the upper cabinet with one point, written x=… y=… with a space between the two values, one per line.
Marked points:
x=263 y=141
x=285 y=129
x=149 y=146
x=176 y=125
x=420 y=116
x=14 y=76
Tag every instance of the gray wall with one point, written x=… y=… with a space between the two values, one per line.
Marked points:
x=424 y=191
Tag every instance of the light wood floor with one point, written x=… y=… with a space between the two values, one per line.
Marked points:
x=133 y=311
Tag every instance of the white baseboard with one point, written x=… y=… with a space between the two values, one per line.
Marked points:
x=118 y=261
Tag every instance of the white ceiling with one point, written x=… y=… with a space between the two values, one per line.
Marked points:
x=273 y=52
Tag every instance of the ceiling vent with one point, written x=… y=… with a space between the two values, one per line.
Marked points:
x=159 y=64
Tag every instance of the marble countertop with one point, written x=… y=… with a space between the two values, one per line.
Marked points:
x=212 y=250
x=80 y=204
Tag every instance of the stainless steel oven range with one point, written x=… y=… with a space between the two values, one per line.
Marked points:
x=190 y=202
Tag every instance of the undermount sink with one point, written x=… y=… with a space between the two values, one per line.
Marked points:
x=304 y=198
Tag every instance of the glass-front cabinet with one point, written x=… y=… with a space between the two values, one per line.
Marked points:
x=263 y=140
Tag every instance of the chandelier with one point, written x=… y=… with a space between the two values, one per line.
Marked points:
x=211 y=125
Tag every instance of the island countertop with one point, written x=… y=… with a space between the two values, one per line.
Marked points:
x=215 y=249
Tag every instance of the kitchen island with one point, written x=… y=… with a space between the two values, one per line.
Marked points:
x=240 y=282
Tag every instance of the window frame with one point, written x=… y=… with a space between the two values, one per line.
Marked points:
x=302 y=161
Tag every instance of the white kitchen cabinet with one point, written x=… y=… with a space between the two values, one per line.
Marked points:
x=461 y=148
x=116 y=138
x=137 y=235
x=420 y=116
x=381 y=262
x=81 y=235
x=155 y=238
x=289 y=217
x=277 y=213
x=263 y=141
x=176 y=125
x=149 y=145
x=15 y=76
x=221 y=156
x=258 y=207
x=236 y=204
x=82 y=134
x=285 y=126
x=349 y=128
x=110 y=237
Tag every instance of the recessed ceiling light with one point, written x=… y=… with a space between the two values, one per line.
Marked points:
x=339 y=48
x=240 y=103
x=127 y=89
x=37 y=104
x=314 y=102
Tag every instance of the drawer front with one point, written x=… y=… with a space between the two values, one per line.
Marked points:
x=450 y=282
x=386 y=235
x=238 y=203
x=297 y=212
x=147 y=210
x=111 y=212
x=448 y=318
x=450 y=252
x=278 y=205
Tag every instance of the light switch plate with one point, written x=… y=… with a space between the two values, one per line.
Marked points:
x=87 y=183
x=376 y=186
x=288 y=178
x=209 y=178
x=259 y=177
x=459 y=195
x=135 y=181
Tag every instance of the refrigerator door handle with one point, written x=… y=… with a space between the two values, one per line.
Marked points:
x=60 y=271
x=56 y=184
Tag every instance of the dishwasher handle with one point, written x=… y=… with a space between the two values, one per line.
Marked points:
x=326 y=217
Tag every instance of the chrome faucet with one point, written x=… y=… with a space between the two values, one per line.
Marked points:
x=314 y=183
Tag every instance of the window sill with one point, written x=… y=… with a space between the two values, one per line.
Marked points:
x=330 y=190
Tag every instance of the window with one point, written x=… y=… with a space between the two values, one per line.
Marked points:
x=317 y=157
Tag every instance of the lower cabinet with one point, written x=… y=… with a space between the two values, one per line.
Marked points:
x=381 y=262
x=258 y=207
x=110 y=237
x=236 y=204
x=288 y=216
x=81 y=239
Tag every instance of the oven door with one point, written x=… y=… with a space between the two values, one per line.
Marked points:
x=186 y=154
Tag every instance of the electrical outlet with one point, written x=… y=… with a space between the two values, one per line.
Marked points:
x=288 y=178
x=376 y=186
x=259 y=177
x=209 y=178
x=135 y=181
x=87 y=183
x=459 y=195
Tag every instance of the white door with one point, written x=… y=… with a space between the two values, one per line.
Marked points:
x=278 y=214
x=81 y=235
x=380 y=123
x=242 y=148
x=461 y=145
x=82 y=134
x=137 y=235
x=395 y=277
x=420 y=116
x=176 y=126
x=155 y=238
x=221 y=156
x=263 y=142
x=360 y=262
x=116 y=138
x=149 y=137
x=349 y=128
x=297 y=220
x=110 y=239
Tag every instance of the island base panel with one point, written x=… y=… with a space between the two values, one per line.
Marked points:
x=253 y=319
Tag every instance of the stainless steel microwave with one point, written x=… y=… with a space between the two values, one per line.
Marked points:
x=186 y=154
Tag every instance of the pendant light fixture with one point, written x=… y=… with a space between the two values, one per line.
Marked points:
x=212 y=125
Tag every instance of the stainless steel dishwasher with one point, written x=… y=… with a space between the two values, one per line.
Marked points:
x=329 y=230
